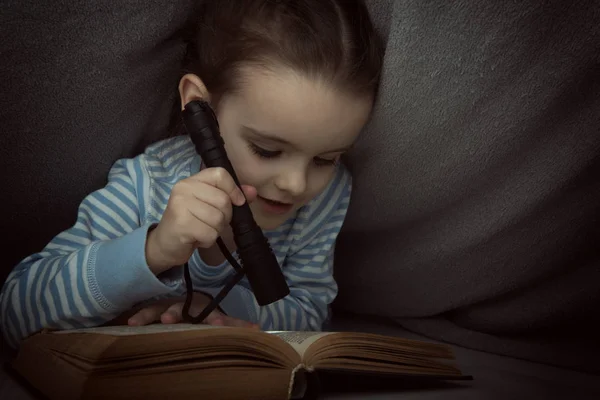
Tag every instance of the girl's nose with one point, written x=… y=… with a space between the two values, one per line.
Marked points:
x=292 y=181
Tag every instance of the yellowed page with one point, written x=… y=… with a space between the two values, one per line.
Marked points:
x=300 y=341
x=124 y=330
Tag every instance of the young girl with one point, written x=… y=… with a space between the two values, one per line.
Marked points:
x=292 y=83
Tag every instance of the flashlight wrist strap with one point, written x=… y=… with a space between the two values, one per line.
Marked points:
x=214 y=303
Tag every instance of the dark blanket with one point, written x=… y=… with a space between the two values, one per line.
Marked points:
x=475 y=217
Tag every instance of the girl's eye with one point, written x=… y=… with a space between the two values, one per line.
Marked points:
x=323 y=162
x=263 y=153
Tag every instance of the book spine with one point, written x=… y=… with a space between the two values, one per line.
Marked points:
x=298 y=382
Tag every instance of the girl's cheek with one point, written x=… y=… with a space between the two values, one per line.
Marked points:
x=252 y=170
x=319 y=180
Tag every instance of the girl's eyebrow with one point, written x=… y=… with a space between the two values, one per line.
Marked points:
x=267 y=135
x=339 y=150
x=274 y=138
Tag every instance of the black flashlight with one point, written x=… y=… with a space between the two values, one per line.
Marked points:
x=257 y=259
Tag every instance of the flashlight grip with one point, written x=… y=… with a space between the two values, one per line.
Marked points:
x=258 y=261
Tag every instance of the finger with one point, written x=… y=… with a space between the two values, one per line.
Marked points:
x=250 y=193
x=208 y=215
x=174 y=314
x=210 y=195
x=221 y=179
x=215 y=318
x=146 y=315
x=230 y=321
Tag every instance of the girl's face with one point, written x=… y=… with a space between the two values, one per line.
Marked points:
x=284 y=135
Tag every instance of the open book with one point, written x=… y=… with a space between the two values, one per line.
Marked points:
x=183 y=361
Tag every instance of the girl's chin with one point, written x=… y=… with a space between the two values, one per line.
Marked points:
x=269 y=221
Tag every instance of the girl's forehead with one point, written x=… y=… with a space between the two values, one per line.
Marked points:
x=303 y=111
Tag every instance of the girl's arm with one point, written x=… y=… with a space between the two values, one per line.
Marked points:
x=308 y=269
x=93 y=271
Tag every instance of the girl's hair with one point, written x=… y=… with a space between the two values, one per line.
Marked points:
x=331 y=40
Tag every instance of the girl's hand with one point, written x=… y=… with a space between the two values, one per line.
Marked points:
x=169 y=311
x=199 y=208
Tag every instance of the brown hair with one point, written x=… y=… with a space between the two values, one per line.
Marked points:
x=327 y=39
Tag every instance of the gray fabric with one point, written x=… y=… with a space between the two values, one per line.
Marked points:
x=82 y=84
x=488 y=117
x=381 y=14
x=494 y=377
x=475 y=216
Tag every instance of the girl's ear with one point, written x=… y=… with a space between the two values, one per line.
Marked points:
x=191 y=88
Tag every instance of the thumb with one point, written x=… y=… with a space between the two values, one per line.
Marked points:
x=250 y=193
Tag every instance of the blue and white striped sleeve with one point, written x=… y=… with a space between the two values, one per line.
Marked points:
x=91 y=272
x=308 y=270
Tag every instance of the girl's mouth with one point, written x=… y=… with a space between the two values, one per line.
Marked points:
x=274 y=206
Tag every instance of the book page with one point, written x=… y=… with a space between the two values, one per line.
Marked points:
x=124 y=330
x=300 y=341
